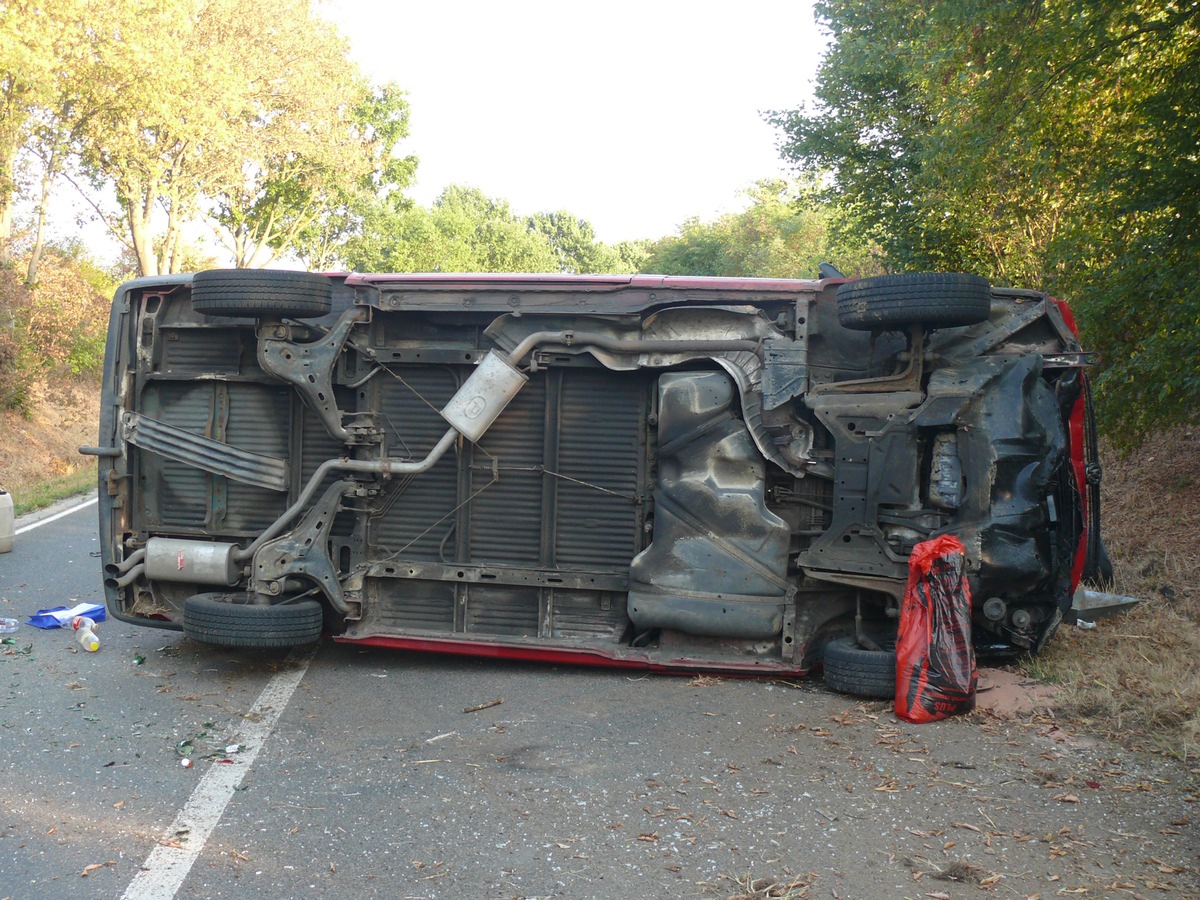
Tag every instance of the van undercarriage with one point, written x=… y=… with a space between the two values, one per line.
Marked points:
x=662 y=472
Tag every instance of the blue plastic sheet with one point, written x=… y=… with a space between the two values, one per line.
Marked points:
x=62 y=616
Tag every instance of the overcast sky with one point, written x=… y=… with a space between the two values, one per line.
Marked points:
x=632 y=115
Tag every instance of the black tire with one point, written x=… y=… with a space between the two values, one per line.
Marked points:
x=892 y=302
x=851 y=669
x=261 y=292
x=231 y=620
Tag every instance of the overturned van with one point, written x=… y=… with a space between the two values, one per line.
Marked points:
x=662 y=472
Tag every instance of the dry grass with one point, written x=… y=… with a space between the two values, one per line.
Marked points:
x=1136 y=677
x=39 y=454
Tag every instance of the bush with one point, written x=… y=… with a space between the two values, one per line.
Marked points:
x=54 y=329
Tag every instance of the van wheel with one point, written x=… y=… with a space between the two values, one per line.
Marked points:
x=231 y=620
x=851 y=669
x=893 y=302
x=261 y=292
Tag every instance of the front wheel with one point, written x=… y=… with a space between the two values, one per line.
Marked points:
x=231 y=620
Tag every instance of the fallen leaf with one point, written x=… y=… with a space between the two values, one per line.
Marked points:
x=1067 y=798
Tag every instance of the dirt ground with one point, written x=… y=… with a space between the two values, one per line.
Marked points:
x=45 y=445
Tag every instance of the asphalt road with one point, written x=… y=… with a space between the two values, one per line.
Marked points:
x=347 y=771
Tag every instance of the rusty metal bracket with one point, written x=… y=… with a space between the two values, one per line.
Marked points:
x=309 y=368
x=304 y=551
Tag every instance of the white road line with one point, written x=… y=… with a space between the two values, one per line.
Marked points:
x=54 y=518
x=166 y=867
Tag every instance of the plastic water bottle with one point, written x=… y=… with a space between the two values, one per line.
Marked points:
x=85 y=630
x=8 y=626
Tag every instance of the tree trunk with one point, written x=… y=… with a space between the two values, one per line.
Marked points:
x=39 y=241
x=143 y=244
x=5 y=229
x=12 y=115
x=139 y=207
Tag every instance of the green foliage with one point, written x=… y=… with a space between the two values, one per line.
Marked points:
x=304 y=195
x=467 y=231
x=180 y=109
x=1043 y=145
x=74 y=252
x=785 y=233
x=631 y=255
x=573 y=241
x=54 y=329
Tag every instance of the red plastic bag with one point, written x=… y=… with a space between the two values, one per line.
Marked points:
x=935 y=662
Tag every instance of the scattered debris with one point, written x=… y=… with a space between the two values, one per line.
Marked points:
x=1008 y=695
x=1097 y=604
x=488 y=705
x=61 y=616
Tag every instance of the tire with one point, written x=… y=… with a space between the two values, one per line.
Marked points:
x=851 y=669
x=261 y=292
x=891 y=302
x=230 y=620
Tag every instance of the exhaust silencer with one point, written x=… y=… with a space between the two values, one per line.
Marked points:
x=200 y=562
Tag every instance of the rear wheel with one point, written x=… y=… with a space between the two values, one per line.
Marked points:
x=231 y=620
x=853 y=669
x=938 y=300
x=261 y=292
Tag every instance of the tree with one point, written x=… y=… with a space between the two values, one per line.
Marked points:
x=41 y=53
x=574 y=242
x=380 y=123
x=785 y=233
x=309 y=168
x=1043 y=145
x=464 y=231
x=247 y=92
